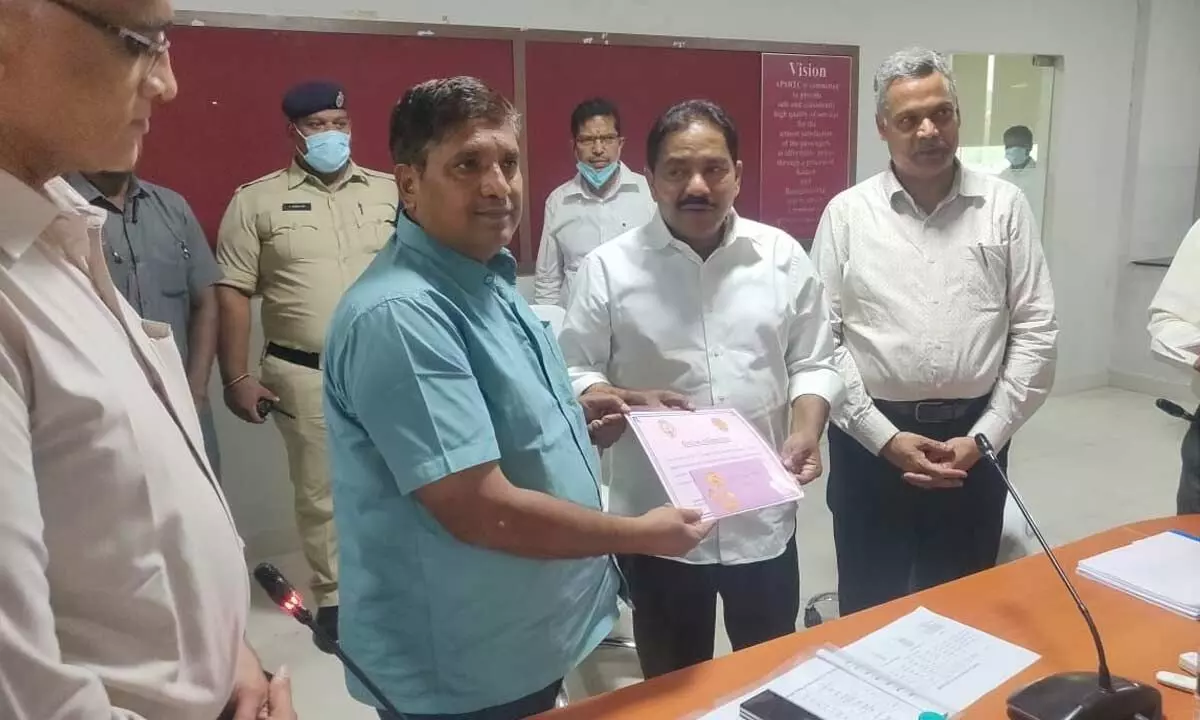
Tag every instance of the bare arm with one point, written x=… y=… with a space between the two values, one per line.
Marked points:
x=234 y=332
x=479 y=506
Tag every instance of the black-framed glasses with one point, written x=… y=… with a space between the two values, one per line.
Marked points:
x=137 y=44
x=606 y=141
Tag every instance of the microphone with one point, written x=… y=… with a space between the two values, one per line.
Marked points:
x=1074 y=695
x=1174 y=410
x=133 y=201
x=291 y=602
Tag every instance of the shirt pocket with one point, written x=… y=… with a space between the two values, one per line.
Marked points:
x=376 y=222
x=577 y=237
x=170 y=265
x=981 y=272
x=297 y=236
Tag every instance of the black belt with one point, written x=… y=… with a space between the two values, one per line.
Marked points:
x=933 y=411
x=295 y=357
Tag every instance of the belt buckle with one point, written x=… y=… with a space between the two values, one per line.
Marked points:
x=932 y=412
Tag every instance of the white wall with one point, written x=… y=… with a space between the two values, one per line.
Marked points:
x=1092 y=101
x=1161 y=203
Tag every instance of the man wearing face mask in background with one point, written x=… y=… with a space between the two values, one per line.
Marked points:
x=1023 y=170
x=298 y=238
x=161 y=262
x=603 y=200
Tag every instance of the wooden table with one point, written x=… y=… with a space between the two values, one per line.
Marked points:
x=1022 y=602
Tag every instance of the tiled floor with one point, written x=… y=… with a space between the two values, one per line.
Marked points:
x=1085 y=463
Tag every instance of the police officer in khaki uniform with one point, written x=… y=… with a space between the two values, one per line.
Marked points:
x=299 y=237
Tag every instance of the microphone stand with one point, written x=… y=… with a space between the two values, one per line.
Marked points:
x=290 y=602
x=1074 y=695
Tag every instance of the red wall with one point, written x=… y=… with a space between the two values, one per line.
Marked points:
x=643 y=82
x=226 y=127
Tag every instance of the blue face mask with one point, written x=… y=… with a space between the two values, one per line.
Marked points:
x=1016 y=156
x=597 y=178
x=328 y=151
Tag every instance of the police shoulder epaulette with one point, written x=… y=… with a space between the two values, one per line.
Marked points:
x=262 y=179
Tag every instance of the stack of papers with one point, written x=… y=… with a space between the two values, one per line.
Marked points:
x=921 y=663
x=1163 y=570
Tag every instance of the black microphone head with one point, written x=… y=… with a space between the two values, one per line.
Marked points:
x=1170 y=408
x=279 y=589
x=984 y=445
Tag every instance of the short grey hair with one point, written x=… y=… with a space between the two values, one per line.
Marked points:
x=911 y=64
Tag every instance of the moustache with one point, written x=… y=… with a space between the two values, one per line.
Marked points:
x=694 y=202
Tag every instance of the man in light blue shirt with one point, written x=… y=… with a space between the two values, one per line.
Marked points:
x=476 y=564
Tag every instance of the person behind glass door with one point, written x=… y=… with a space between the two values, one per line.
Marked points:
x=604 y=199
x=944 y=318
x=1023 y=170
x=161 y=262
x=299 y=237
x=703 y=307
x=476 y=561
x=1175 y=339
x=123 y=589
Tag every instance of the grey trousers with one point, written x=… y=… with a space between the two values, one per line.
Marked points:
x=1188 y=499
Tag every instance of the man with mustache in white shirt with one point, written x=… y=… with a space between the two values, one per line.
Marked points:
x=704 y=307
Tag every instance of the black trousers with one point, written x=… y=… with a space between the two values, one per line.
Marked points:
x=675 y=606
x=1188 y=499
x=893 y=538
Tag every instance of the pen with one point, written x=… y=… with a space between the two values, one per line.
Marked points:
x=983 y=256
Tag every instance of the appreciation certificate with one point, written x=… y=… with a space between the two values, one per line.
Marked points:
x=713 y=461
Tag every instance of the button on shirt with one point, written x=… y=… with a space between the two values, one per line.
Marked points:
x=156 y=252
x=123 y=592
x=1175 y=310
x=748 y=329
x=299 y=244
x=576 y=222
x=434 y=365
x=955 y=304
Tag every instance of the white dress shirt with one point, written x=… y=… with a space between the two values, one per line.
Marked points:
x=951 y=305
x=748 y=329
x=576 y=222
x=123 y=590
x=1032 y=181
x=1175 y=310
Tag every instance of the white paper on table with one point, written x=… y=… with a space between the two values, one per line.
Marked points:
x=920 y=659
x=947 y=660
x=713 y=461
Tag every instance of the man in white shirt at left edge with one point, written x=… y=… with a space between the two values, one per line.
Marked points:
x=704 y=308
x=1175 y=339
x=123 y=590
x=603 y=200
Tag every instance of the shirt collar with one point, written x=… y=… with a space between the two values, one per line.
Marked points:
x=27 y=213
x=297 y=175
x=625 y=181
x=471 y=274
x=657 y=235
x=967 y=183
x=89 y=192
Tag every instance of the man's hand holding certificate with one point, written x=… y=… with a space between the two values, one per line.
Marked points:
x=715 y=462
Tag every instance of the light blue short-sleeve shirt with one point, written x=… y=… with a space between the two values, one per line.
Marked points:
x=435 y=364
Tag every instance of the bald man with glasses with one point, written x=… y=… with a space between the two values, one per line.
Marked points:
x=123 y=590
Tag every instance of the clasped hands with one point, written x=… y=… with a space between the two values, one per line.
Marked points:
x=931 y=464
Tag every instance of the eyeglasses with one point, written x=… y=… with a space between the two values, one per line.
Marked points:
x=604 y=140
x=135 y=43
